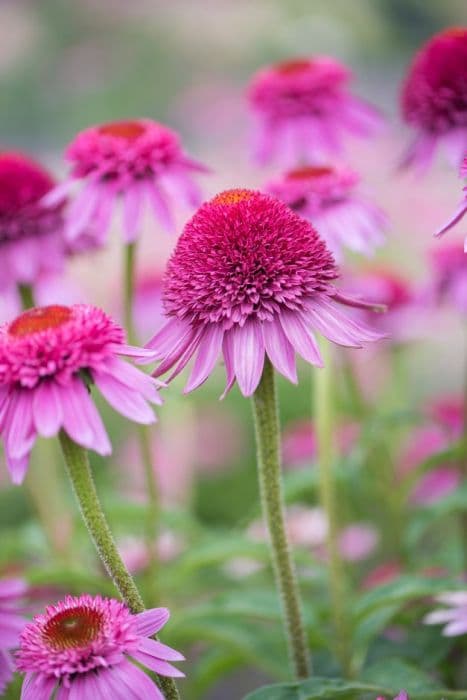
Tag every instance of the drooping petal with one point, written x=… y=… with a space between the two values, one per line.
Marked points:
x=157 y=665
x=248 y=356
x=159 y=650
x=132 y=210
x=38 y=687
x=210 y=345
x=279 y=349
x=17 y=468
x=301 y=337
x=227 y=351
x=19 y=432
x=47 y=409
x=151 y=621
x=136 y=683
x=124 y=400
x=160 y=206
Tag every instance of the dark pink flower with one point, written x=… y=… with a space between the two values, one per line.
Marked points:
x=48 y=356
x=461 y=209
x=83 y=648
x=328 y=198
x=448 y=412
x=31 y=235
x=249 y=277
x=434 y=98
x=12 y=592
x=449 y=276
x=138 y=161
x=436 y=485
x=303 y=108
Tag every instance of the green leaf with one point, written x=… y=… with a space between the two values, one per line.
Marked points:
x=397 y=672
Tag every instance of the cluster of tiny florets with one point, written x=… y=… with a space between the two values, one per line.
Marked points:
x=56 y=341
x=245 y=255
x=435 y=91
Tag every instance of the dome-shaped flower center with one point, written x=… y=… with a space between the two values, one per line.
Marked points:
x=232 y=196
x=73 y=628
x=40 y=319
x=128 y=130
x=297 y=65
x=309 y=171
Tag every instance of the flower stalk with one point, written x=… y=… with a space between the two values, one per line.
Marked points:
x=266 y=418
x=79 y=471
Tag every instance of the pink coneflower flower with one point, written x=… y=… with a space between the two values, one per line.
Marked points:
x=436 y=485
x=358 y=541
x=449 y=276
x=455 y=615
x=138 y=161
x=448 y=412
x=299 y=442
x=434 y=98
x=31 y=235
x=327 y=196
x=83 y=647
x=460 y=211
x=11 y=623
x=303 y=108
x=48 y=357
x=249 y=277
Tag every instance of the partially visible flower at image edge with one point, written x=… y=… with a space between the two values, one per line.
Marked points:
x=434 y=99
x=303 y=108
x=12 y=592
x=328 y=197
x=454 y=615
x=250 y=278
x=139 y=161
x=83 y=647
x=49 y=356
x=460 y=211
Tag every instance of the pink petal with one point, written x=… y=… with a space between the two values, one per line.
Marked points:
x=248 y=356
x=301 y=337
x=455 y=218
x=19 y=432
x=160 y=206
x=135 y=379
x=47 y=409
x=81 y=211
x=208 y=353
x=80 y=418
x=161 y=667
x=136 y=683
x=227 y=350
x=151 y=621
x=169 y=335
x=17 y=468
x=123 y=399
x=38 y=687
x=132 y=211
x=159 y=650
x=279 y=350
x=453 y=629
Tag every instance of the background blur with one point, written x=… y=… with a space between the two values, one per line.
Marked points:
x=65 y=65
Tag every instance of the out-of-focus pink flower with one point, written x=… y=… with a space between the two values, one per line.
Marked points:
x=31 y=235
x=448 y=412
x=303 y=108
x=435 y=485
x=83 y=647
x=47 y=356
x=327 y=196
x=134 y=551
x=249 y=278
x=138 y=161
x=358 y=541
x=422 y=444
x=147 y=307
x=455 y=614
x=299 y=441
x=306 y=527
x=402 y=696
x=449 y=276
x=461 y=209
x=12 y=592
x=434 y=98
x=384 y=573
x=219 y=439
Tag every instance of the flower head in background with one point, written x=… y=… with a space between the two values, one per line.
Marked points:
x=299 y=442
x=327 y=197
x=250 y=278
x=434 y=98
x=448 y=412
x=138 y=161
x=358 y=541
x=31 y=235
x=303 y=108
x=461 y=210
x=12 y=592
x=48 y=357
x=449 y=276
x=455 y=614
x=83 y=646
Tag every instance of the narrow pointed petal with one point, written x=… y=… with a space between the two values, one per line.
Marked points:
x=301 y=337
x=159 y=650
x=279 y=350
x=248 y=356
x=132 y=212
x=151 y=621
x=210 y=345
x=160 y=207
x=123 y=399
x=227 y=350
x=47 y=409
x=157 y=665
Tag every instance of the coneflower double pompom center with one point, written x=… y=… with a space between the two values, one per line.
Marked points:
x=245 y=255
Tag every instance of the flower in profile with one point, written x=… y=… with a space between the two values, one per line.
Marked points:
x=31 y=234
x=327 y=197
x=139 y=161
x=84 y=646
x=455 y=614
x=460 y=211
x=250 y=278
x=449 y=276
x=434 y=98
x=12 y=622
x=303 y=107
x=48 y=358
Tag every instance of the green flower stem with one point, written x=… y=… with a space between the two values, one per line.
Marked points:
x=81 y=478
x=324 y=421
x=49 y=503
x=266 y=418
x=144 y=436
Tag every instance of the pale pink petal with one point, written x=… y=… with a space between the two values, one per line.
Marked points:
x=248 y=356
x=169 y=335
x=123 y=399
x=136 y=683
x=159 y=650
x=227 y=351
x=151 y=621
x=210 y=345
x=458 y=598
x=160 y=206
x=19 y=433
x=455 y=218
x=38 y=687
x=81 y=210
x=133 y=199
x=135 y=379
x=279 y=350
x=79 y=417
x=161 y=667
x=47 y=409
x=17 y=468
x=301 y=337
x=453 y=629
